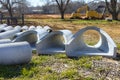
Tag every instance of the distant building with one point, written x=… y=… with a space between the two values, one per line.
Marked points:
x=36 y=11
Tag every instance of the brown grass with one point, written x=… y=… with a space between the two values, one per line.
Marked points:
x=46 y=16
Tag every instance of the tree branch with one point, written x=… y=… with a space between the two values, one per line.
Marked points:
x=66 y=4
x=58 y=4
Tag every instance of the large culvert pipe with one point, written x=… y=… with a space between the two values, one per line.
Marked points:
x=15 y=53
x=76 y=46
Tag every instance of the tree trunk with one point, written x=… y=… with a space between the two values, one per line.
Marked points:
x=10 y=13
x=62 y=14
x=9 y=6
x=114 y=16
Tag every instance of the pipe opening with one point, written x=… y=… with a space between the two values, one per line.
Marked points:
x=91 y=37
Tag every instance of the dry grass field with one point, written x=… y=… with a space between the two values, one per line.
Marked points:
x=59 y=66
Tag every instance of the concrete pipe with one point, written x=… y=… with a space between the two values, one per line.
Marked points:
x=2 y=26
x=54 y=42
x=24 y=28
x=76 y=47
x=2 y=41
x=41 y=33
x=17 y=34
x=17 y=27
x=47 y=28
x=39 y=27
x=32 y=28
x=9 y=34
x=15 y=53
x=29 y=36
x=6 y=29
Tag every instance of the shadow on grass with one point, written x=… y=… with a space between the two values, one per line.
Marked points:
x=118 y=57
x=12 y=71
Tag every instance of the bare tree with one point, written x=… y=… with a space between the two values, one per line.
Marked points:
x=22 y=7
x=10 y=5
x=62 y=6
x=114 y=8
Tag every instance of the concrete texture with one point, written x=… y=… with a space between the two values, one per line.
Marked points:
x=24 y=28
x=9 y=34
x=15 y=53
x=41 y=33
x=39 y=27
x=2 y=41
x=47 y=28
x=3 y=26
x=32 y=28
x=29 y=36
x=6 y=29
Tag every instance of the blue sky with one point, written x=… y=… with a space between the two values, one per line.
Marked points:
x=39 y=2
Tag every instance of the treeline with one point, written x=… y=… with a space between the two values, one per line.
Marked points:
x=13 y=7
x=72 y=7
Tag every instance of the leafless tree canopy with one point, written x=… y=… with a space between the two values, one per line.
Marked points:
x=11 y=5
x=62 y=6
x=113 y=7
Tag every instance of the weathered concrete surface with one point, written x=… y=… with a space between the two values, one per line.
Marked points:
x=6 y=29
x=3 y=26
x=2 y=41
x=76 y=47
x=47 y=28
x=39 y=27
x=29 y=36
x=15 y=53
x=32 y=28
x=9 y=34
x=54 y=42
x=17 y=27
x=24 y=28
x=41 y=33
